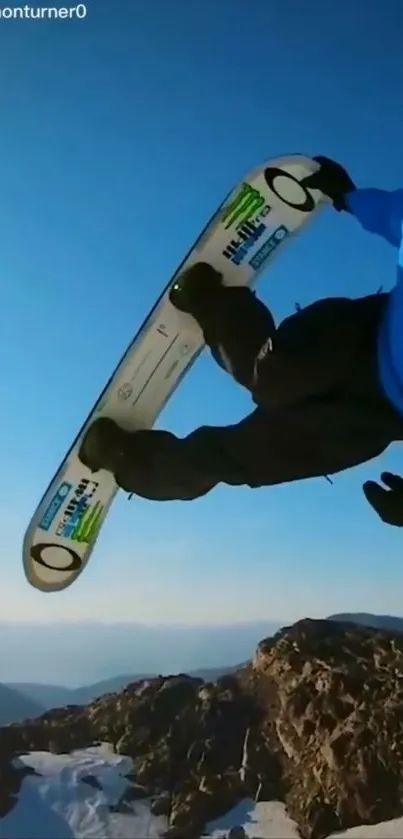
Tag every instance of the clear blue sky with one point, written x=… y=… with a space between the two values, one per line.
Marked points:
x=120 y=135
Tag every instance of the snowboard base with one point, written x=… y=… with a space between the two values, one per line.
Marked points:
x=253 y=224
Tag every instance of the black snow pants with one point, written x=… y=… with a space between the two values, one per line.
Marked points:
x=319 y=407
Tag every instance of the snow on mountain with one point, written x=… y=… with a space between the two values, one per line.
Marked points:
x=269 y=820
x=84 y=795
x=304 y=741
x=88 y=795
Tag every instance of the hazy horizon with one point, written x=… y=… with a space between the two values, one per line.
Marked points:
x=80 y=653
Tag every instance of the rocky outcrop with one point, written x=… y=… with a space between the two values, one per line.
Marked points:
x=315 y=721
x=12 y=774
x=336 y=711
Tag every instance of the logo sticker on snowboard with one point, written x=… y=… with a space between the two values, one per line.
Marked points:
x=248 y=205
x=269 y=246
x=57 y=501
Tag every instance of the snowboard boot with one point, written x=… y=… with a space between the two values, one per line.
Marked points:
x=103 y=446
x=234 y=322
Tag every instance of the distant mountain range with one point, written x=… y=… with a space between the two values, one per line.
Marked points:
x=388 y=622
x=16 y=705
x=20 y=700
x=85 y=652
x=53 y=696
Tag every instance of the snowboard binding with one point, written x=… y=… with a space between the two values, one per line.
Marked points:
x=197 y=289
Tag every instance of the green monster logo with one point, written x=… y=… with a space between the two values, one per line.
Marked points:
x=87 y=528
x=249 y=204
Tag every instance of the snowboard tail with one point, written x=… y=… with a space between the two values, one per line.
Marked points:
x=253 y=223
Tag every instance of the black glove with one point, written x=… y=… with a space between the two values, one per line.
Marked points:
x=332 y=180
x=388 y=503
x=197 y=290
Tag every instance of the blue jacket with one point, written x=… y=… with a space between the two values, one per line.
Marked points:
x=381 y=212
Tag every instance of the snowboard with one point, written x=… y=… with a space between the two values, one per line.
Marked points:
x=252 y=225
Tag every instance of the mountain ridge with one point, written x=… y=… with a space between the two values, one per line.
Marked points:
x=388 y=622
x=315 y=720
x=16 y=706
x=52 y=696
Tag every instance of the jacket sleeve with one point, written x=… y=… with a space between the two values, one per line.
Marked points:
x=379 y=211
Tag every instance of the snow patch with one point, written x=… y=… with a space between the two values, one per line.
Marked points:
x=76 y=796
x=269 y=820
x=72 y=796
x=384 y=830
x=264 y=820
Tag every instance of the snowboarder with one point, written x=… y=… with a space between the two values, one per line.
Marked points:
x=327 y=382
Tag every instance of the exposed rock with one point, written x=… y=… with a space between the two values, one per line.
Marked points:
x=315 y=721
x=136 y=792
x=174 y=832
x=237 y=833
x=92 y=781
x=123 y=806
x=161 y=805
x=336 y=711
x=12 y=775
